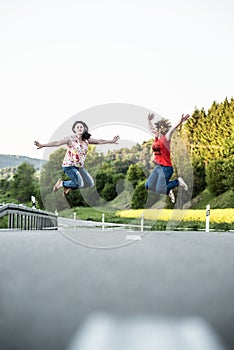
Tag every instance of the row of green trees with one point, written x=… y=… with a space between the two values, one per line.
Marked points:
x=210 y=139
x=202 y=152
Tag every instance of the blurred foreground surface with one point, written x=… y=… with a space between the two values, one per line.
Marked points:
x=175 y=287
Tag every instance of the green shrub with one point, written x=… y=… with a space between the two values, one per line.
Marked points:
x=219 y=175
x=139 y=196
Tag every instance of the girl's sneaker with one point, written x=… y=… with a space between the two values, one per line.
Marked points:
x=172 y=196
x=182 y=183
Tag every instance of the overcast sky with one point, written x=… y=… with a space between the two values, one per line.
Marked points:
x=59 y=58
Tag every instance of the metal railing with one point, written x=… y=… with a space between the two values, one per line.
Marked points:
x=24 y=218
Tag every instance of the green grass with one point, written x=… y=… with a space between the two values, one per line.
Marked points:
x=191 y=226
x=93 y=214
x=225 y=200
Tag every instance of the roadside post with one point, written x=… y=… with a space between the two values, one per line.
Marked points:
x=207 y=217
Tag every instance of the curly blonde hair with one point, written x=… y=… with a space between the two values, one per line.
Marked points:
x=163 y=125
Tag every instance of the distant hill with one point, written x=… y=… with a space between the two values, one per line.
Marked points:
x=7 y=161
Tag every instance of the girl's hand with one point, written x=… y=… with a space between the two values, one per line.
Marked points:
x=150 y=116
x=38 y=144
x=184 y=118
x=115 y=139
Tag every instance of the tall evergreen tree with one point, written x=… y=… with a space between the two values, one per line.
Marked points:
x=210 y=137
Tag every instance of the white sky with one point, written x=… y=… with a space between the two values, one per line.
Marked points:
x=59 y=58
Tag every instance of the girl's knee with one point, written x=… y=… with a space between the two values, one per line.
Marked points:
x=161 y=189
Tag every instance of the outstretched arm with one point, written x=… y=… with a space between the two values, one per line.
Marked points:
x=102 y=142
x=52 y=144
x=152 y=127
x=178 y=123
x=150 y=124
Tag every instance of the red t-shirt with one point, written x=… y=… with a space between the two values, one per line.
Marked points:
x=161 y=148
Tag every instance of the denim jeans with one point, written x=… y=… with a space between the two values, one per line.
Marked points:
x=158 y=181
x=79 y=177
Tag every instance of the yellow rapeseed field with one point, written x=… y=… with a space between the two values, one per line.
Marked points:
x=216 y=215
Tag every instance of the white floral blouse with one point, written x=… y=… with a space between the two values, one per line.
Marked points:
x=76 y=152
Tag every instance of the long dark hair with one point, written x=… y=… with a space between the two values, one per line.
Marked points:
x=86 y=135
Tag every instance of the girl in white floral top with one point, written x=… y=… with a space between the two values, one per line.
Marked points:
x=73 y=162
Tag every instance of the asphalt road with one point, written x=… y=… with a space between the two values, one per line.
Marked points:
x=51 y=283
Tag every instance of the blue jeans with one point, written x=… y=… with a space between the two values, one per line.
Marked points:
x=158 y=181
x=79 y=177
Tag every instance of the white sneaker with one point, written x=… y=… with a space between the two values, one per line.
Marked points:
x=182 y=183
x=172 y=196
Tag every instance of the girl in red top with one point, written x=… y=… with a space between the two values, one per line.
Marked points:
x=158 y=181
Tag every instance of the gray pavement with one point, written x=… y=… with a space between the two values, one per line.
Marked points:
x=50 y=282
